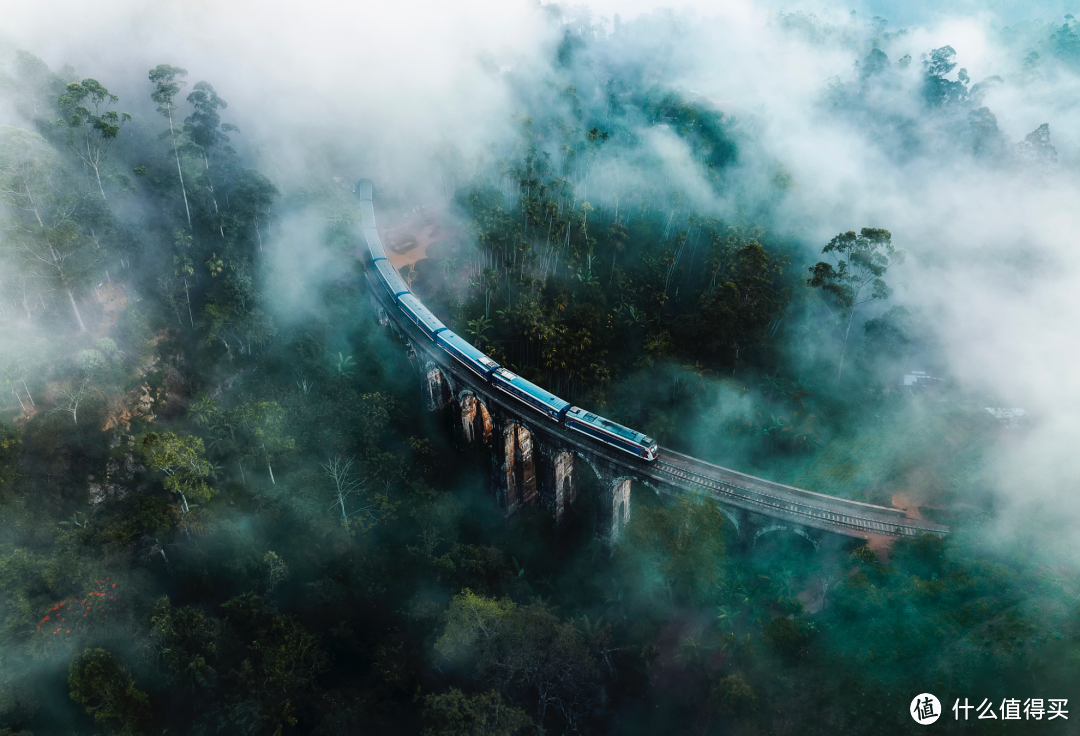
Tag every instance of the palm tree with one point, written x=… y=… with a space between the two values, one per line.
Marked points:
x=479 y=328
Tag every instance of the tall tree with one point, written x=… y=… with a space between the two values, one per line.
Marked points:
x=93 y=126
x=206 y=132
x=262 y=426
x=861 y=262
x=182 y=460
x=168 y=80
x=50 y=245
x=102 y=682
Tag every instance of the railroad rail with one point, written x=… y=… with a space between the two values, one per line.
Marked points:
x=673 y=472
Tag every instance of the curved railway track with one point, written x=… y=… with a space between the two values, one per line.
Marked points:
x=673 y=472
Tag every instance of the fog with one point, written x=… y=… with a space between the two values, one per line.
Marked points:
x=327 y=88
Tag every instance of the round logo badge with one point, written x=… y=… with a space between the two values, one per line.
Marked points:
x=925 y=709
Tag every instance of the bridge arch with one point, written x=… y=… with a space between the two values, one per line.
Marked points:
x=732 y=518
x=786 y=528
x=559 y=490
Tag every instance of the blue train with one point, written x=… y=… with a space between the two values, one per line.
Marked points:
x=512 y=385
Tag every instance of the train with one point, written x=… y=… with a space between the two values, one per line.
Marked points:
x=501 y=379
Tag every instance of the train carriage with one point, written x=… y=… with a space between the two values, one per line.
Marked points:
x=420 y=315
x=390 y=278
x=367 y=213
x=466 y=354
x=365 y=189
x=610 y=433
x=374 y=243
x=528 y=392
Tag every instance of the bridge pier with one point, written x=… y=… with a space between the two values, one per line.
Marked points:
x=437 y=389
x=513 y=469
x=475 y=421
x=559 y=490
x=753 y=506
x=613 y=510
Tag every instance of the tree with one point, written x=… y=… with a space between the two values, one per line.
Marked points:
x=102 y=682
x=187 y=645
x=483 y=714
x=205 y=133
x=277 y=570
x=346 y=485
x=92 y=131
x=681 y=546
x=182 y=459
x=861 y=262
x=263 y=426
x=51 y=247
x=274 y=669
x=252 y=197
x=71 y=395
x=522 y=648
x=168 y=80
x=937 y=90
x=1037 y=148
x=734 y=695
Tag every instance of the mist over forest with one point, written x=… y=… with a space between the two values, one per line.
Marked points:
x=831 y=247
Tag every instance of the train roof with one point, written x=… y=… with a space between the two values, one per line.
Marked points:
x=613 y=427
x=390 y=276
x=367 y=213
x=466 y=348
x=365 y=189
x=414 y=306
x=532 y=389
x=374 y=242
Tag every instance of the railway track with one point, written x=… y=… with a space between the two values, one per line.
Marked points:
x=788 y=503
x=675 y=472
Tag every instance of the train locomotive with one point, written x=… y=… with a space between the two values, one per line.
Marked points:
x=505 y=381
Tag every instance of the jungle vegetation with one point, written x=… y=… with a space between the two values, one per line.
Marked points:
x=213 y=520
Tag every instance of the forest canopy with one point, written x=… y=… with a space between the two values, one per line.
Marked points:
x=226 y=507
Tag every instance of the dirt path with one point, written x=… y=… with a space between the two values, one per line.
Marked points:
x=407 y=244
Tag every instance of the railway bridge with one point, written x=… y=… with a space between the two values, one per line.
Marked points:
x=533 y=461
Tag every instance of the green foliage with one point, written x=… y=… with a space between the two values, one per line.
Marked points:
x=733 y=695
x=483 y=714
x=10 y=443
x=864 y=554
x=680 y=548
x=442 y=615
x=187 y=643
x=259 y=428
x=861 y=261
x=102 y=682
x=786 y=636
x=182 y=460
x=522 y=648
x=92 y=125
x=275 y=670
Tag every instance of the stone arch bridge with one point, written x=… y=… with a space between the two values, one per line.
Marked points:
x=533 y=461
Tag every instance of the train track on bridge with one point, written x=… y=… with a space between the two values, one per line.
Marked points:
x=673 y=472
